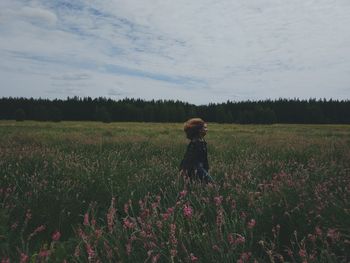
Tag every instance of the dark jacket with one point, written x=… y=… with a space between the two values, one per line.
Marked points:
x=196 y=159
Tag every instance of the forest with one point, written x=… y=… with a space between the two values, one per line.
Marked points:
x=311 y=111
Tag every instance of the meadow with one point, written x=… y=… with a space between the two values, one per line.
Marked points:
x=94 y=192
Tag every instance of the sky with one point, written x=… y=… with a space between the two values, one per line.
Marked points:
x=197 y=51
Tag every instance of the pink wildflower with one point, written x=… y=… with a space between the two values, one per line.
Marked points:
x=14 y=226
x=193 y=258
x=98 y=233
x=90 y=251
x=28 y=215
x=5 y=260
x=165 y=216
x=128 y=248
x=183 y=193
x=216 y=248
x=302 y=253
x=230 y=239
x=219 y=218
x=187 y=211
x=155 y=258
x=126 y=208
x=56 y=236
x=242 y=215
x=24 y=258
x=251 y=224
x=173 y=252
x=245 y=256
x=44 y=253
x=233 y=204
x=110 y=215
x=159 y=224
x=318 y=231
x=218 y=200
x=39 y=229
x=128 y=224
x=172 y=238
x=77 y=251
x=240 y=240
x=86 y=219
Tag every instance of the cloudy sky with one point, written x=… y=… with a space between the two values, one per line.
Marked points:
x=198 y=51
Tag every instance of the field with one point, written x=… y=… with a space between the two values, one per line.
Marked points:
x=93 y=192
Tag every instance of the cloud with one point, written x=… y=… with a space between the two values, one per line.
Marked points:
x=114 y=92
x=200 y=51
x=38 y=15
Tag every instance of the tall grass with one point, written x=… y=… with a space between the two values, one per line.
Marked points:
x=91 y=192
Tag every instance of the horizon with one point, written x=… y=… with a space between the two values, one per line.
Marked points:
x=181 y=101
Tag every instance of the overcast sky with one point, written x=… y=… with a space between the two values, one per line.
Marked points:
x=198 y=51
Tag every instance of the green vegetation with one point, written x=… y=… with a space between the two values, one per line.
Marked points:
x=98 y=192
x=268 y=111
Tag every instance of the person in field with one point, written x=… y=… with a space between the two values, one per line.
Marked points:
x=195 y=164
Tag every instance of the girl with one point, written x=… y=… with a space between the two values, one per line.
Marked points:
x=195 y=162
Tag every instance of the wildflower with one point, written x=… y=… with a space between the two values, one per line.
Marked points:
x=183 y=193
x=289 y=252
x=155 y=258
x=172 y=237
x=216 y=248
x=159 y=224
x=187 y=211
x=311 y=237
x=77 y=251
x=56 y=236
x=245 y=256
x=240 y=240
x=128 y=248
x=251 y=224
x=44 y=253
x=230 y=239
x=243 y=215
x=173 y=252
x=128 y=224
x=5 y=260
x=110 y=215
x=167 y=214
x=318 y=231
x=126 y=208
x=302 y=253
x=98 y=233
x=24 y=258
x=156 y=203
x=193 y=258
x=90 y=251
x=37 y=230
x=218 y=200
x=219 y=218
x=40 y=229
x=233 y=204
x=28 y=215
x=82 y=234
x=86 y=219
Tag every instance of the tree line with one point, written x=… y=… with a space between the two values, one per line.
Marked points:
x=137 y=110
